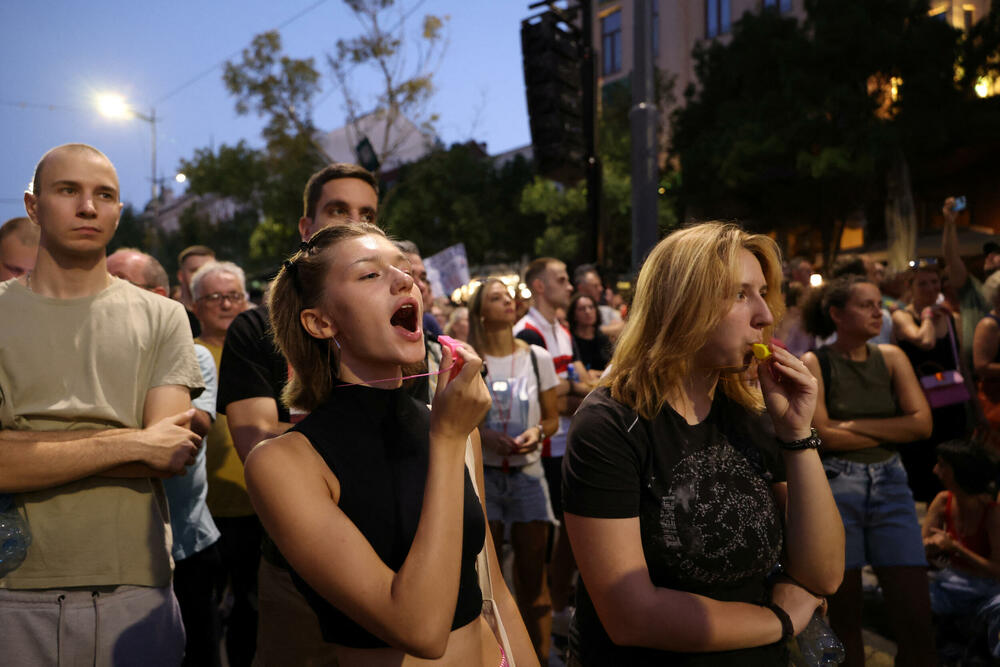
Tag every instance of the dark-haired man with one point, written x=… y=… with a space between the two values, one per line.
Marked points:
x=189 y=261
x=252 y=374
x=18 y=247
x=96 y=380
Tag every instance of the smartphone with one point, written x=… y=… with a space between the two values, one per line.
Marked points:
x=959 y=203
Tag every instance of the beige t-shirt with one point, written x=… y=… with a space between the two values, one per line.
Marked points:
x=87 y=363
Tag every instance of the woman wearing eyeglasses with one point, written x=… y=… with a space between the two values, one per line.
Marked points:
x=219 y=294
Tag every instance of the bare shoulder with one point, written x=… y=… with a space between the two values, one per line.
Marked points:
x=288 y=459
x=988 y=324
x=892 y=354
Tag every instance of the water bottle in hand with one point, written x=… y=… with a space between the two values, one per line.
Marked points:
x=818 y=644
x=14 y=536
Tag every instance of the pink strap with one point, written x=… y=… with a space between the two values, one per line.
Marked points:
x=407 y=377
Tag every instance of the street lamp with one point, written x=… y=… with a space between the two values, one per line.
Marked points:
x=112 y=105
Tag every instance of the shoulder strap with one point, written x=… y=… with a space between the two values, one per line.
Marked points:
x=823 y=356
x=534 y=366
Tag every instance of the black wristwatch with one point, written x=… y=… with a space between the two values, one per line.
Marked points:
x=811 y=442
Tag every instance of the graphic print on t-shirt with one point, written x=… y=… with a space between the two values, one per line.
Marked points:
x=716 y=519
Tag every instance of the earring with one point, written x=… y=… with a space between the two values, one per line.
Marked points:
x=335 y=342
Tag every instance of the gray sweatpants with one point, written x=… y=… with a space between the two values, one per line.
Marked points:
x=121 y=625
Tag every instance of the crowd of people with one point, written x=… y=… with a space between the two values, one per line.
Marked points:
x=340 y=474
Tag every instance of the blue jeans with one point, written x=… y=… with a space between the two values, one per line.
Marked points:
x=517 y=496
x=876 y=506
x=956 y=593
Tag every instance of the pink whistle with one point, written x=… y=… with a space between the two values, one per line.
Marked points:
x=456 y=360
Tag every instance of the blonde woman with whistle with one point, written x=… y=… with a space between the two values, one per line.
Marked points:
x=369 y=497
x=684 y=486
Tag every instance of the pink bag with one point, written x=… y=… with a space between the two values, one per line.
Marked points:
x=945 y=388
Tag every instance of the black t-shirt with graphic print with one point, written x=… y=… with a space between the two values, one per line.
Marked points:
x=708 y=522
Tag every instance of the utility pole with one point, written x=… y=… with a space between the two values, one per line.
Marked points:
x=595 y=186
x=643 y=118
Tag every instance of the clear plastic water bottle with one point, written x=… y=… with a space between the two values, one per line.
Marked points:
x=14 y=535
x=818 y=645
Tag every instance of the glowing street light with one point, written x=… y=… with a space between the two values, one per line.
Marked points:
x=180 y=178
x=113 y=105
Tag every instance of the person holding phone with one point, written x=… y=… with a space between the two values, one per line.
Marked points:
x=369 y=497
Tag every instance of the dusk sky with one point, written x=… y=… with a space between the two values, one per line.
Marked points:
x=60 y=54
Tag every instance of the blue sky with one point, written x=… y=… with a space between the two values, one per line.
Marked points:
x=62 y=53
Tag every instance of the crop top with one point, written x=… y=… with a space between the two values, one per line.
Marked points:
x=376 y=441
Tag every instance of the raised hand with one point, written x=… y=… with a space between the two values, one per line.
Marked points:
x=460 y=402
x=789 y=394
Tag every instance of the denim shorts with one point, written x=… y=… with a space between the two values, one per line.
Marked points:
x=519 y=495
x=876 y=506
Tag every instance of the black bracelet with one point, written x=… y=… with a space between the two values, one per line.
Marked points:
x=787 y=629
x=811 y=442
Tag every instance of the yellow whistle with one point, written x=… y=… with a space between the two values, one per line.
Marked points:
x=761 y=351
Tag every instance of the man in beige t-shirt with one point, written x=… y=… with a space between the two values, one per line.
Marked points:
x=96 y=379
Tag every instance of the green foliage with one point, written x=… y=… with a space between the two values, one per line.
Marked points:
x=794 y=124
x=457 y=194
x=275 y=86
x=235 y=171
x=132 y=232
x=564 y=209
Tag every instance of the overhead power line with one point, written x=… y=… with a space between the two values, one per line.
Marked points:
x=235 y=53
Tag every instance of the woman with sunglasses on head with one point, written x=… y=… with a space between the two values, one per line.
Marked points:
x=926 y=330
x=680 y=500
x=522 y=382
x=870 y=406
x=369 y=497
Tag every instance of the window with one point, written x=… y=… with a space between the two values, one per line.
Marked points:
x=782 y=6
x=969 y=15
x=716 y=17
x=611 y=43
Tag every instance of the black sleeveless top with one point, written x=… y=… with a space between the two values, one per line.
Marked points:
x=376 y=442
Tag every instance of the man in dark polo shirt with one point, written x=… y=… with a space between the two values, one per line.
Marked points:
x=251 y=376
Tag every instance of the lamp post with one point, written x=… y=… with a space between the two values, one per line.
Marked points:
x=112 y=105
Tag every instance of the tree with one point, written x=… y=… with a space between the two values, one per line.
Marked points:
x=564 y=208
x=132 y=232
x=797 y=127
x=458 y=194
x=382 y=48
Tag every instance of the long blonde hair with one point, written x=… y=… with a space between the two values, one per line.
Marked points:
x=685 y=287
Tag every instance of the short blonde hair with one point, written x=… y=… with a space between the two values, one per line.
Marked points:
x=685 y=288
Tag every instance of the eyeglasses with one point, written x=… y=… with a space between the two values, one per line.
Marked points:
x=215 y=298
